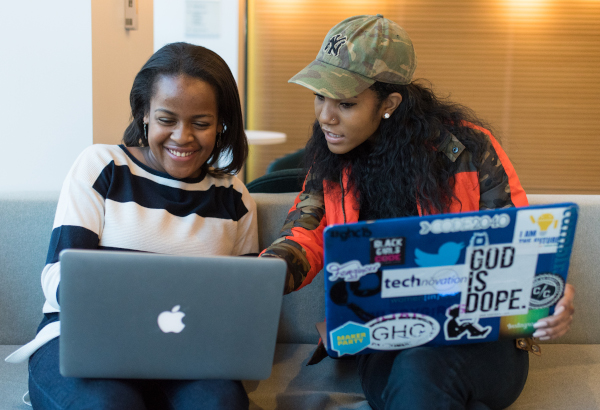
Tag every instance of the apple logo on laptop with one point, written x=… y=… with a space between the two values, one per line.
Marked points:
x=171 y=321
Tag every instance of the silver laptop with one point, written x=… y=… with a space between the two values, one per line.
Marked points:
x=139 y=315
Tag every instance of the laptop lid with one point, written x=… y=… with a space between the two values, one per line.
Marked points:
x=444 y=279
x=139 y=315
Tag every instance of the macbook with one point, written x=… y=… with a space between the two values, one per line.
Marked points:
x=140 y=315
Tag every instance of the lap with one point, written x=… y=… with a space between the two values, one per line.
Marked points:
x=48 y=389
x=489 y=375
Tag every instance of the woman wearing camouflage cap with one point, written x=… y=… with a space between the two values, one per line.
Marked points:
x=384 y=146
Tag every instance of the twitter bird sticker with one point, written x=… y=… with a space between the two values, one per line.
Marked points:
x=448 y=254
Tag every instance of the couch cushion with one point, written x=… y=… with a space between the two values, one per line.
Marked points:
x=13 y=381
x=26 y=225
x=584 y=271
x=565 y=376
x=272 y=211
x=301 y=310
x=330 y=384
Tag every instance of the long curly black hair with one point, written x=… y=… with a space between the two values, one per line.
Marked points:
x=400 y=166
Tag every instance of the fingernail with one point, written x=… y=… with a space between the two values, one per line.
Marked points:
x=540 y=324
x=545 y=338
x=539 y=333
x=559 y=310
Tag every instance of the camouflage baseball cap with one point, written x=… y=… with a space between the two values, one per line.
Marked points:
x=357 y=52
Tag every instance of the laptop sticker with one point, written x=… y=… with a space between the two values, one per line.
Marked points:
x=442 y=280
x=349 y=294
x=388 y=251
x=455 y=327
x=447 y=254
x=464 y=224
x=541 y=227
x=350 y=271
x=521 y=325
x=402 y=330
x=499 y=281
x=349 y=233
x=390 y=332
x=350 y=338
x=547 y=290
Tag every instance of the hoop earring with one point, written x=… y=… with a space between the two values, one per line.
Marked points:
x=218 y=140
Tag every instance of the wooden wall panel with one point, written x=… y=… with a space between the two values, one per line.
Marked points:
x=528 y=67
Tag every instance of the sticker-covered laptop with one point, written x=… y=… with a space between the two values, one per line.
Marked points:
x=444 y=279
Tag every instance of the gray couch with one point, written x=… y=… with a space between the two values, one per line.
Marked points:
x=566 y=376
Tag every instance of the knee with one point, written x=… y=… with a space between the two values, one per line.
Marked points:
x=421 y=378
x=227 y=394
x=419 y=365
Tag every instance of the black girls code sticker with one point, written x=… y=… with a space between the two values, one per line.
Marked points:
x=388 y=251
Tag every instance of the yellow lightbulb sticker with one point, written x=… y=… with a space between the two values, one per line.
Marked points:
x=544 y=222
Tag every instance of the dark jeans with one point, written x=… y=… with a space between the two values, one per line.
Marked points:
x=476 y=376
x=49 y=390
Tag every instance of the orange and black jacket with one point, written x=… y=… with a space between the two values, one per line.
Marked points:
x=493 y=185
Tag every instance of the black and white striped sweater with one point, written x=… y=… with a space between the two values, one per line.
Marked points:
x=110 y=200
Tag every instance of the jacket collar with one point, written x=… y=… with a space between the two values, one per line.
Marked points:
x=451 y=146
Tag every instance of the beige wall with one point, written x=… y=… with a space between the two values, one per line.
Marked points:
x=117 y=56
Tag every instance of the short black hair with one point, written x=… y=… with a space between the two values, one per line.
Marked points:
x=201 y=63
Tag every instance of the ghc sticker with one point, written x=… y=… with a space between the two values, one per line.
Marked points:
x=402 y=330
x=350 y=338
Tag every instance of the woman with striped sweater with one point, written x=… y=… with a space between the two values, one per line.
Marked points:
x=163 y=190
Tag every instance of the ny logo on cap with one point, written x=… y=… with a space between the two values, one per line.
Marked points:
x=334 y=44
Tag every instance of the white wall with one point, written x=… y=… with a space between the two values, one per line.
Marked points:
x=45 y=91
x=220 y=35
x=54 y=102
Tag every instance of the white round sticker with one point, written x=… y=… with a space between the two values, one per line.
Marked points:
x=546 y=290
x=402 y=330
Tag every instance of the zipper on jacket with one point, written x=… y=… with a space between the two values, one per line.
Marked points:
x=342 y=186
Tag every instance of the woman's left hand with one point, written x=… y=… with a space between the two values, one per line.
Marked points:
x=559 y=323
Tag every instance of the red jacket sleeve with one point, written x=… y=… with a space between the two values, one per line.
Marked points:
x=301 y=239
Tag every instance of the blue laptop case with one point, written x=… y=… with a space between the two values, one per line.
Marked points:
x=444 y=279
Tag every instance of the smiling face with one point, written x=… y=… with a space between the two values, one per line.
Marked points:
x=350 y=122
x=183 y=122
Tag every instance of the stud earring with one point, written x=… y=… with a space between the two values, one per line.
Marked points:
x=386 y=115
